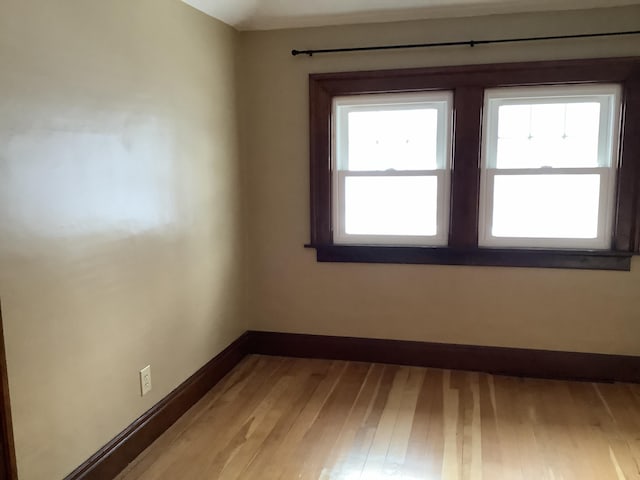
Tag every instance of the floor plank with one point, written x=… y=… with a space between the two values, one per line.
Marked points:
x=284 y=418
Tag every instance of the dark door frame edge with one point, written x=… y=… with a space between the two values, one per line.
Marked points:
x=9 y=468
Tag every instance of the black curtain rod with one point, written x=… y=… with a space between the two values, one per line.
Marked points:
x=471 y=43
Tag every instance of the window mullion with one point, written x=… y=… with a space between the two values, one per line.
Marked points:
x=465 y=175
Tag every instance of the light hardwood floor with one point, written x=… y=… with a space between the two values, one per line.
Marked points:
x=284 y=418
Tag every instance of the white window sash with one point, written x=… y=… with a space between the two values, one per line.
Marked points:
x=440 y=100
x=605 y=209
x=440 y=239
x=608 y=96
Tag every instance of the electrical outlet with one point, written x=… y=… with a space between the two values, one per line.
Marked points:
x=145 y=380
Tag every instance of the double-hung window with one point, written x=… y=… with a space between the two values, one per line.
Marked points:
x=528 y=164
x=391 y=157
x=548 y=166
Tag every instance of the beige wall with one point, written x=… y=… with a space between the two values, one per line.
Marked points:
x=121 y=232
x=119 y=213
x=549 y=309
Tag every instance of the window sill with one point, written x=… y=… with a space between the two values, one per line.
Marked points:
x=495 y=257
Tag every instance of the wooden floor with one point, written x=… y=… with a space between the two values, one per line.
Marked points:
x=283 y=418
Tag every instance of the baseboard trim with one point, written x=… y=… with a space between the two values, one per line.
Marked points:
x=498 y=360
x=111 y=459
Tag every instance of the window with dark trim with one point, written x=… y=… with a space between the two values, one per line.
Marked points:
x=468 y=86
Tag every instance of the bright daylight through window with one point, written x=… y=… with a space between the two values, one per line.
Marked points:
x=391 y=172
x=531 y=164
x=548 y=177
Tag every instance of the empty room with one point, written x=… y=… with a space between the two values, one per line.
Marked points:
x=330 y=240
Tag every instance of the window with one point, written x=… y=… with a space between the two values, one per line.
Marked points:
x=391 y=168
x=531 y=164
x=548 y=167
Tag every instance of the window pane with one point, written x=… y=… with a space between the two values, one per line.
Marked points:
x=547 y=121
x=546 y=206
x=583 y=120
x=391 y=205
x=559 y=135
x=393 y=139
x=514 y=121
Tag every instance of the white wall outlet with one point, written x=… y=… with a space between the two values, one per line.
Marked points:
x=145 y=380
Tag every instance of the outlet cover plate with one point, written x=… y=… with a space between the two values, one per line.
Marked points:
x=145 y=380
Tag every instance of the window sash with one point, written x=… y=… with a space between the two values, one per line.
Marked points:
x=339 y=211
x=605 y=210
x=441 y=101
x=607 y=95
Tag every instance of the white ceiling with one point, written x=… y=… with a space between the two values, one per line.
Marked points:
x=270 y=14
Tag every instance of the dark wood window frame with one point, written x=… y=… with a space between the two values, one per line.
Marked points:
x=468 y=84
